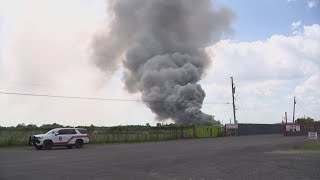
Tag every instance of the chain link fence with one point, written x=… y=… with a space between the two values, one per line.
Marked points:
x=121 y=134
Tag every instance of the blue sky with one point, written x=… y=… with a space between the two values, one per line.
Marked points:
x=258 y=20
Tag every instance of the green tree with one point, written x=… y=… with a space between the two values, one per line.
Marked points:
x=21 y=126
x=317 y=122
x=303 y=120
x=32 y=127
x=51 y=126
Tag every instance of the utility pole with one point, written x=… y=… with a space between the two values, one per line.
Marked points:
x=286 y=117
x=294 y=108
x=234 y=106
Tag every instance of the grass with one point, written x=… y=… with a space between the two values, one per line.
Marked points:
x=312 y=147
x=16 y=138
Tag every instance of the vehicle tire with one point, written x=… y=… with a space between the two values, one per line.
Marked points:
x=69 y=147
x=79 y=143
x=38 y=147
x=47 y=145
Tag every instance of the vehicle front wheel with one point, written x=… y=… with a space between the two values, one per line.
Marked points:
x=47 y=145
x=79 y=143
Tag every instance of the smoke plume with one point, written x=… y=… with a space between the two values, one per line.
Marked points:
x=161 y=45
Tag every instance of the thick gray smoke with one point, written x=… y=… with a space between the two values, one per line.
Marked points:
x=161 y=45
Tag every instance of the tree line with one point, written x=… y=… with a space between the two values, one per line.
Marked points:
x=47 y=127
x=307 y=120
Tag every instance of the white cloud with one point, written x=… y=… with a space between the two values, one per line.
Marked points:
x=312 y=3
x=296 y=27
x=308 y=93
x=45 y=49
x=309 y=88
x=267 y=73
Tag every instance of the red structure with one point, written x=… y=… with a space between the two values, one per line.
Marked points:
x=294 y=129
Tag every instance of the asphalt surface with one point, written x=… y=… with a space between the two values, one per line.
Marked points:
x=247 y=157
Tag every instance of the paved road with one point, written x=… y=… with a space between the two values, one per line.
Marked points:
x=247 y=157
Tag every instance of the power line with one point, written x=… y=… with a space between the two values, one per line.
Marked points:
x=9 y=83
x=95 y=98
x=308 y=111
x=303 y=106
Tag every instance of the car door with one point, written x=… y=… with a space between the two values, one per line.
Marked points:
x=52 y=136
x=72 y=134
x=62 y=137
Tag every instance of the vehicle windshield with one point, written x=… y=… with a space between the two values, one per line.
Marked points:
x=51 y=131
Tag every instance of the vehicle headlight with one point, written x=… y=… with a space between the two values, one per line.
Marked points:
x=39 y=137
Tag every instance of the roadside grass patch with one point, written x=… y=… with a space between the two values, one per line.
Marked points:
x=312 y=147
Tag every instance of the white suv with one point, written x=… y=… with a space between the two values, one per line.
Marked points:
x=68 y=137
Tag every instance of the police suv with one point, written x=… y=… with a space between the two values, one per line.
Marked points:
x=68 y=137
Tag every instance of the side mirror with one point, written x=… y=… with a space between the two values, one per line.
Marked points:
x=56 y=133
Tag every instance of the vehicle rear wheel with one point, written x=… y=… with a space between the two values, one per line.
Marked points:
x=47 y=145
x=38 y=147
x=79 y=143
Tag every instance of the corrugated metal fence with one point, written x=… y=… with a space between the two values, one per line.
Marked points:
x=256 y=129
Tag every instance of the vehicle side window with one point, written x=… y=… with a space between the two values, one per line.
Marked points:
x=72 y=131
x=83 y=131
x=67 y=131
x=63 y=131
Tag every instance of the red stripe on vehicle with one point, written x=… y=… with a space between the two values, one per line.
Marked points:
x=73 y=137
